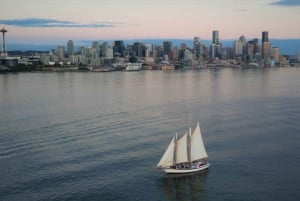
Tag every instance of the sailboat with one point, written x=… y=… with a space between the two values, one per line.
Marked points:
x=185 y=154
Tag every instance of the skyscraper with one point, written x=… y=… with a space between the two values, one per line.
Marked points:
x=266 y=45
x=139 y=49
x=96 y=45
x=119 y=47
x=275 y=54
x=215 y=37
x=216 y=46
x=265 y=37
x=61 y=52
x=167 y=46
x=70 y=48
x=240 y=45
x=196 y=47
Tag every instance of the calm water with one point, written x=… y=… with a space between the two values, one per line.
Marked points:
x=98 y=136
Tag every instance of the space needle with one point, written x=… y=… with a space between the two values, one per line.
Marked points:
x=3 y=53
x=10 y=64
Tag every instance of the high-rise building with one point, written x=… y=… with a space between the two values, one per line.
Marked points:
x=216 y=46
x=265 y=36
x=139 y=49
x=175 y=53
x=154 y=51
x=252 y=47
x=70 y=48
x=266 y=49
x=61 y=52
x=82 y=50
x=147 y=50
x=215 y=37
x=250 y=50
x=240 y=46
x=196 y=47
x=275 y=54
x=167 y=45
x=108 y=53
x=119 y=48
x=182 y=50
x=96 y=45
x=213 y=51
x=104 y=48
x=266 y=45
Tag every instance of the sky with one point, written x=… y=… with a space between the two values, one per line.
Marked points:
x=54 y=21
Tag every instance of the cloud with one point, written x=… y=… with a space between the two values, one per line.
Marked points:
x=286 y=3
x=40 y=23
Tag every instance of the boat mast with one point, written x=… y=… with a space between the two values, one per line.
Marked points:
x=175 y=150
x=189 y=144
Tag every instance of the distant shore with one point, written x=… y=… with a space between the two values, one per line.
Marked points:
x=108 y=69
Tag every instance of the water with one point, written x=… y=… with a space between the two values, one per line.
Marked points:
x=99 y=136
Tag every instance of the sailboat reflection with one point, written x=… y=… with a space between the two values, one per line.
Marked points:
x=183 y=187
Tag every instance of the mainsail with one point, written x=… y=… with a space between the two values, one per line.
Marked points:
x=197 y=146
x=168 y=157
x=181 y=149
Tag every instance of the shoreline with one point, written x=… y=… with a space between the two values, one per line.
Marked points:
x=107 y=70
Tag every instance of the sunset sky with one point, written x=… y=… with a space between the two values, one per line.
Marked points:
x=46 y=21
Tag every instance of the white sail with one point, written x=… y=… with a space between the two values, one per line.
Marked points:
x=168 y=157
x=181 y=149
x=197 y=146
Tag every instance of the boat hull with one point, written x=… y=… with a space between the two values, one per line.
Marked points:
x=184 y=171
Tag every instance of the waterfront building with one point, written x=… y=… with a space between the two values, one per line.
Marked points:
x=45 y=58
x=70 y=48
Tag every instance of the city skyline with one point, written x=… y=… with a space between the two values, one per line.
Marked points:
x=46 y=21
